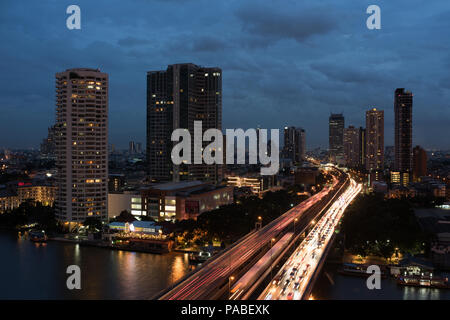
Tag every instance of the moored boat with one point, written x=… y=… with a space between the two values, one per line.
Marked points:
x=38 y=236
x=199 y=257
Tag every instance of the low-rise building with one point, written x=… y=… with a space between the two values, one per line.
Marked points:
x=16 y=193
x=8 y=200
x=183 y=200
x=130 y=201
x=143 y=227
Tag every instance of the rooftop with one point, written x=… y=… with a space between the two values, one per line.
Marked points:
x=170 y=186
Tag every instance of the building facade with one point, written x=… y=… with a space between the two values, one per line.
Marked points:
x=403 y=101
x=336 y=137
x=374 y=140
x=294 y=144
x=183 y=200
x=177 y=97
x=81 y=144
x=130 y=201
x=12 y=196
x=362 y=147
x=352 y=147
x=419 y=163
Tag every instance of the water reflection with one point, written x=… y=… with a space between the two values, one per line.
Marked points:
x=350 y=287
x=38 y=272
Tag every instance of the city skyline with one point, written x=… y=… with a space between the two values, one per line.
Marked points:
x=313 y=85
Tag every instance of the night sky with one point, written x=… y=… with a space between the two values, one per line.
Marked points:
x=283 y=62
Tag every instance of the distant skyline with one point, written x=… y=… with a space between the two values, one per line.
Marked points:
x=284 y=63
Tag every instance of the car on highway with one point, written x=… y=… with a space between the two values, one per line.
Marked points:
x=296 y=285
x=290 y=295
x=283 y=291
x=276 y=281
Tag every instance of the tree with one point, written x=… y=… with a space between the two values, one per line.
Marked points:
x=125 y=216
x=93 y=224
x=377 y=226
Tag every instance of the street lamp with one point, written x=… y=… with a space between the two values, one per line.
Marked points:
x=229 y=286
x=258 y=224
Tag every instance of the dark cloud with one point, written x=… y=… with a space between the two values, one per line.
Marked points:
x=132 y=41
x=348 y=73
x=209 y=44
x=284 y=62
x=270 y=24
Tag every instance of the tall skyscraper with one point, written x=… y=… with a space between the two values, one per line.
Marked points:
x=362 y=148
x=294 y=144
x=177 y=97
x=81 y=144
x=352 y=147
x=419 y=163
x=374 y=140
x=336 y=137
x=403 y=101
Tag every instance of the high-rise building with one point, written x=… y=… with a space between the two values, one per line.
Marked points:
x=336 y=137
x=362 y=147
x=419 y=163
x=81 y=144
x=403 y=101
x=48 y=145
x=177 y=97
x=294 y=144
x=352 y=147
x=374 y=140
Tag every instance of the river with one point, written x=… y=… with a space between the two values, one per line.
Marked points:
x=31 y=271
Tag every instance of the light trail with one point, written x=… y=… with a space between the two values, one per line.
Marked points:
x=293 y=278
x=207 y=279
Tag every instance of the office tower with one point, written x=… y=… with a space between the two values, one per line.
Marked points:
x=336 y=137
x=403 y=101
x=374 y=140
x=352 y=147
x=419 y=163
x=131 y=147
x=177 y=97
x=81 y=144
x=294 y=144
x=362 y=148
